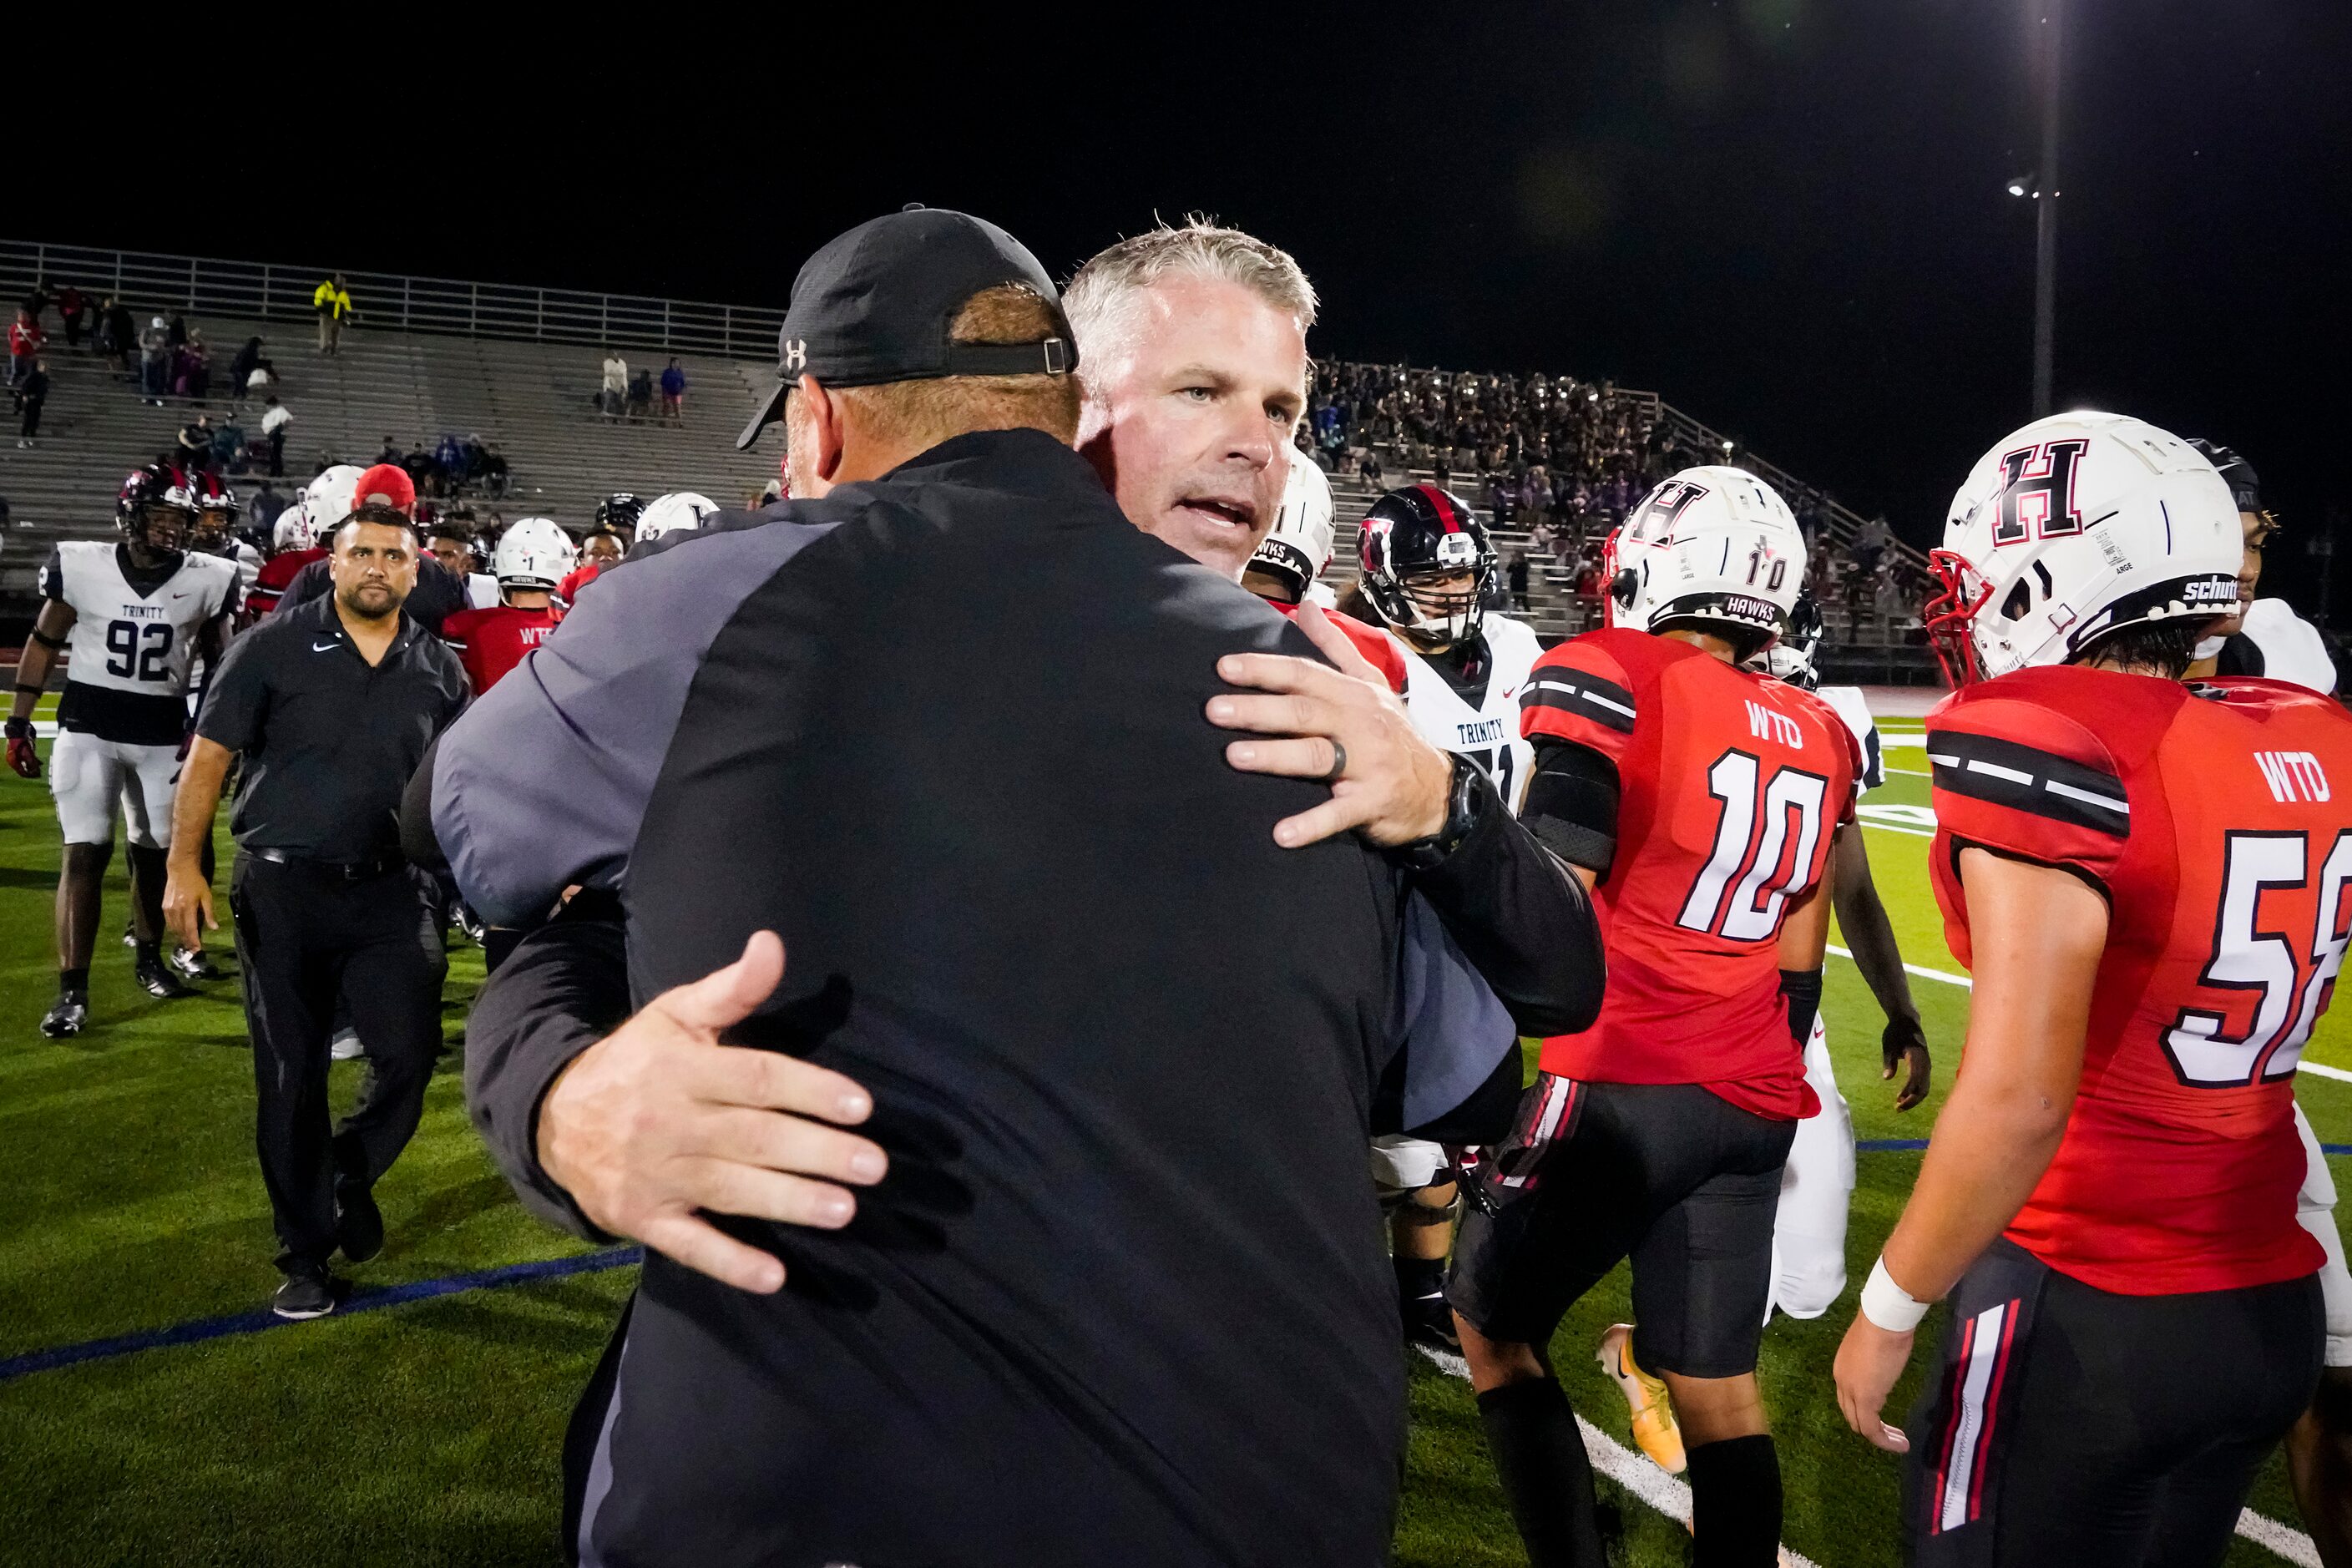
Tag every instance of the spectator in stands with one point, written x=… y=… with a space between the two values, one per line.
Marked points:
x=38 y=300
x=176 y=328
x=1517 y=574
x=155 y=362
x=24 y=340
x=191 y=369
x=275 y=418
x=197 y=443
x=615 y=391
x=494 y=471
x=1367 y=468
x=423 y=472
x=673 y=390
x=119 y=331
x=1870 y=542
x=241 y=369
x=71 y=309
x=31 y=393
x=333 y=302
x=641 y=395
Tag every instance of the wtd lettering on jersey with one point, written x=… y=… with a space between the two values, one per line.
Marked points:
x=1483 y=733
x=1766 y=724
x=2292 y=775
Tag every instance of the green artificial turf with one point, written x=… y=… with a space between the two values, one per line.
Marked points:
x=429 y=1433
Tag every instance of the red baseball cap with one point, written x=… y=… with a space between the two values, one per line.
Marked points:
x=385 y=485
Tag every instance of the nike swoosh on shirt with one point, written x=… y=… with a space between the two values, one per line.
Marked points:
x=323 y=647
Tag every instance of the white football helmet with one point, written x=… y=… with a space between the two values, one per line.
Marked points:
x=534 y=553
x=680 y=511
x=1298 y=546
x=2075 y=526
x=1711 y=547
x=328 y=499
x=292 y=530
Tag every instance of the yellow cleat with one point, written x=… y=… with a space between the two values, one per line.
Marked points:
x=1655 y=1431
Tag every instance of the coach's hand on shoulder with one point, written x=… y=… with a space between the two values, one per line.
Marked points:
x=1344 y=727
x=659 y=1120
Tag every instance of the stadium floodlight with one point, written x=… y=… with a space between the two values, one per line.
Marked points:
x=2021 y=185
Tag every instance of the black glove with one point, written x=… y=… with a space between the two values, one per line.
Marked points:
x=21 y=754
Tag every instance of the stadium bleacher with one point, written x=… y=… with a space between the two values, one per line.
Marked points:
x=520 y=367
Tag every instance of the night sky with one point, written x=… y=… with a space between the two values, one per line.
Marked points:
x=1788 y=217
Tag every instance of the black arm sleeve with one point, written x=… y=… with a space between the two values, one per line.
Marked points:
x=418 y=841
x=1571 y=805
x=1802 y=987
x=1524 y=923
x=564 y=987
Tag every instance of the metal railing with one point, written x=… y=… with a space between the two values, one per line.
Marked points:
x=151 y=283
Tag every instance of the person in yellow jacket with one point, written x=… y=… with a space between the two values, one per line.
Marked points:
x=333 y=303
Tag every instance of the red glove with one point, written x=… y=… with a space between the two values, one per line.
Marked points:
x=21 y=754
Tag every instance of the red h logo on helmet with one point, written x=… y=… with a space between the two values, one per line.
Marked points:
x=2039 y=504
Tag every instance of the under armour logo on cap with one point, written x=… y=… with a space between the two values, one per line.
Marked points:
x=796 y=353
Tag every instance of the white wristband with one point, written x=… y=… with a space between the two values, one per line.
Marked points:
x=1889 y=1305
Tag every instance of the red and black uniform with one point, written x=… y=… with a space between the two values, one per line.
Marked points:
x=1374 y=644
x=567 y=593
x=2117 y=1364
x=277 y=574
x=1706 y=798
x=489 y=642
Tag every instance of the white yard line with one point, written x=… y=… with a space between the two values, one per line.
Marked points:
x=1959 y=980
x=1908 y=773
x=1669 y=1495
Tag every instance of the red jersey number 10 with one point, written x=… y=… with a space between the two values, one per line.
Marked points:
x=1751 y=844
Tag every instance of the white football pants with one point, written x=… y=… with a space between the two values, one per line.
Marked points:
x=88 y=776
x=1816 y=1185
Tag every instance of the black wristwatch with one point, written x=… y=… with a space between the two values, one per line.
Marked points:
x=1468 y=798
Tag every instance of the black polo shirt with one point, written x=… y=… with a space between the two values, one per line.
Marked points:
x=329 y=740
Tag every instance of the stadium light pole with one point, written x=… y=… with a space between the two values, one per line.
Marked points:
x=2045 y=227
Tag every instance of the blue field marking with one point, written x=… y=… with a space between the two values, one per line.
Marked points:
x=363 y=1300
x=1913 y=1145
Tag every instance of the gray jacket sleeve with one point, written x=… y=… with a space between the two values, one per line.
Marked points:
x=543 y=782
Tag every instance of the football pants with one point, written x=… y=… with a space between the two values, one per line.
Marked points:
x=88 y=776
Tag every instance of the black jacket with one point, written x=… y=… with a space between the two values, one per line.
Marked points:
x=1123 y=1292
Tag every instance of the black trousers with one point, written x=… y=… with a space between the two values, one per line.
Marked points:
x=307 y=937
x=2064 y=1423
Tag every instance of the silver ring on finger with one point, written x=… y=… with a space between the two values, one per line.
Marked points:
x=1339 y=763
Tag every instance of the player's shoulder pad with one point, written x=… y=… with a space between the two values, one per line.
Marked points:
x=2061 y=749
x=1581 y=686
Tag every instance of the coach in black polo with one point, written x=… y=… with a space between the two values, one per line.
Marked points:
x=332 y=706
x=1120 y=1297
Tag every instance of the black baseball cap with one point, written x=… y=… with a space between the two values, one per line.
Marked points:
x=876 y=304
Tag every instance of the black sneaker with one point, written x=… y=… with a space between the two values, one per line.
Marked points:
x=65 y=1018
x=1429 y=1323
x=307 y=1293
x=359 y=1224
x=195 y=965
x=156 y=979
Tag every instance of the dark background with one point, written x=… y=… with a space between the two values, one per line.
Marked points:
x=1788 y=217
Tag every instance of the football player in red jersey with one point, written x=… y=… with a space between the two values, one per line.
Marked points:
x=600 y=549
x=2148 y=878
x=1698 y=800
x=1291 y=558
x=326 y=501
x=531 y=558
